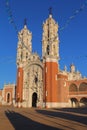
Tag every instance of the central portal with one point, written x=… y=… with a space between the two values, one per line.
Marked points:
x=34 y=99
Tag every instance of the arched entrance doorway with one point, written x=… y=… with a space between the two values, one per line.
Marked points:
x=8 y=97
x=34 y=99
x=74 y=102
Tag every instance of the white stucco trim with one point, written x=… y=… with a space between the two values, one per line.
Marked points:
x=55 y=105
x=51 y=60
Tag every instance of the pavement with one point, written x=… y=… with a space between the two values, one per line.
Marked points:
x=43 y=119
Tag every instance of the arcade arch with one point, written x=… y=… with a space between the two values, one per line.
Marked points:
x=74 y=102
x=83 y=87
x=73 y=88
x=83 y=102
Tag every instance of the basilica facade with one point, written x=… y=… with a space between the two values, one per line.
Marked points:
x=40 y=82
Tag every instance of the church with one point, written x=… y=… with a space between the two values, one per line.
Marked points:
x=40 y=81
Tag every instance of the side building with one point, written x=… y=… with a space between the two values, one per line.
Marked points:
x=7 y=95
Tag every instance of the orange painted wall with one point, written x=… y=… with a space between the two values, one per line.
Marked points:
x=1 y=96
x=0 y=92
x=19 y=88
x=44 y=82
x=51 y=90
x=62 y=88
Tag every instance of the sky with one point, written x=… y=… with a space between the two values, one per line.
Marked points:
x=71 y=16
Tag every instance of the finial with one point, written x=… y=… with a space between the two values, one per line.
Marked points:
x=25 y=21
x=50 y=11
x=65 y=68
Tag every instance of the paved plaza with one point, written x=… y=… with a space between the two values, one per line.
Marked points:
x=43 y=119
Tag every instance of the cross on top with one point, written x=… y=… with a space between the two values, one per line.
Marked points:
x=25 y=21
x=50 y=10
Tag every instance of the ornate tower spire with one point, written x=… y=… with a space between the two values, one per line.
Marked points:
x=23 y=52
x=24 y=44
x=50 y=40
x=50 y=52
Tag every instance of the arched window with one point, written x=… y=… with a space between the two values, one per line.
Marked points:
x=73 y=88
x=83 y=87
x=26 y=55
x=48 y=49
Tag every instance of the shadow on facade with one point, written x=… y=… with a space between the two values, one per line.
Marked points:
x=69 y=116
x=21 y=122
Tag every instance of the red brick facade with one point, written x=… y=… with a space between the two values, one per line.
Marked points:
x=7 y=94
x=19 y=88
x=50 y=82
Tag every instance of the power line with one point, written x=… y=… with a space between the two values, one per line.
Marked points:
x=10 y=15
x=76 y=12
